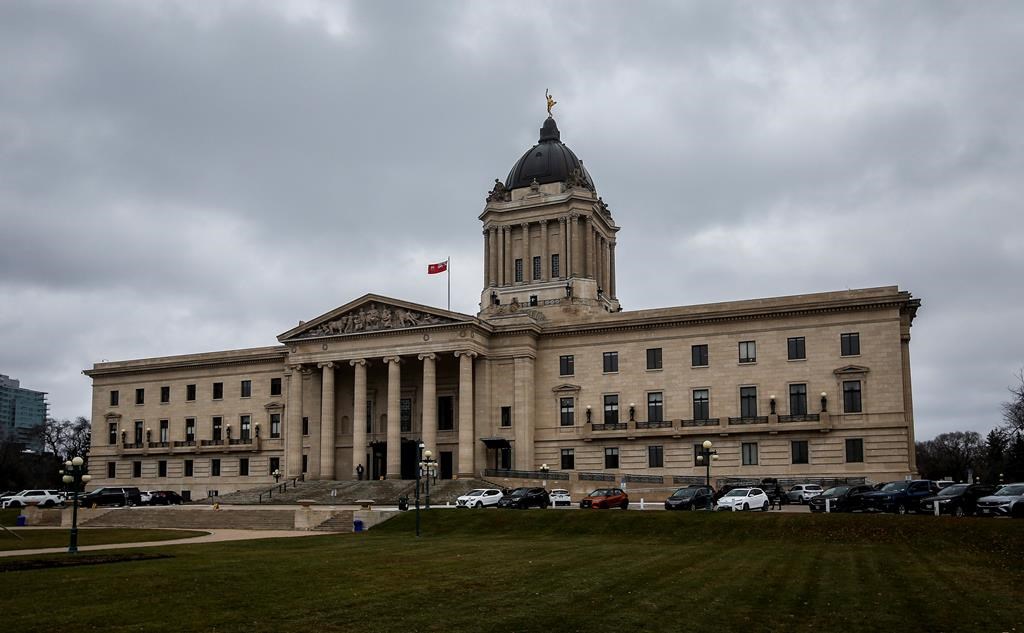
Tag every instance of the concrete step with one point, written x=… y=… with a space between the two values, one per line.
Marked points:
x=341 y=522
x=196 y=518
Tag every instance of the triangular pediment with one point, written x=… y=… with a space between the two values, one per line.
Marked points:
x=374 y=313
x=852 y=369
x=566 y=388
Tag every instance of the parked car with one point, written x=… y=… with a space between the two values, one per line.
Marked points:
x=900 y=497
x=802 y=493
x=165 y=498
x=944 y=483
x=691 y=498
x=560 y=497
x=479 y=498
x=1007 y=501
x=957 y=500
x=840 y=499
x=744 y=499
x=605 y=498
x=524 y=498
x=112 y=496
x=145 y=496
x=41 y=498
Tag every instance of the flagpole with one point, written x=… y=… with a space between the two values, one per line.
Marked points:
x=448 y=269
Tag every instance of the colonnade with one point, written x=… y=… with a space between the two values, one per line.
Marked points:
x=328 y=425
x=582 y=249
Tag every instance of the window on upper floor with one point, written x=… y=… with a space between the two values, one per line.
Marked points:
x=506 y=417
x=610 y=362
x=748 y=351
x=748 y=402
x=654 y=358
x=566 y=365
x=554 y=266
x=655 y=406
x=275 y=425
x=798 y=399
x=849 y=344
x=519 y=269
x=218 y=391
x=245 y=389
x=701 y=404
x=190 y=393
x=851 y=396
x=611 y=409
x=275 y=386
x=567 y=411
x=699 y=355
x=140 y=396
x=536 y=267
x=165 y=394
x=796 y=348
x=115 y=397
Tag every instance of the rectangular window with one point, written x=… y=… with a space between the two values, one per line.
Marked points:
x=655 y=457
x=215 y=467
x=115 y=396
x=218 y=391
x=748 y=402
x=165 y=431
x=305 y=463
x=536 y=267
x=243 y=466
x=165 y=394
x=275 y=464
x=369 y=416
x=699 y=355
x=111 y=470
x=112 y=433
x=140 y=396
x=611 y=409
x=138 y=432
x=796 y=348
x=445 y=413
x=136 y=469
x=275 y=386
x=610 y=362
x=506 y=417
x=246 y=389
x=305 y=425
x=798 y=399
x=245 y=427
x=851 y=396
x=854 y=451
x=655 y=407
x=567 y=411
x=190 y=393
x=566 y=365
x=217 y=428
x=698 y=450
x=654 y=358
x=701 y=404
x=611 y=458
x=748 y=351
x=798 y=449
x=161 y=468
x=188 y=468
x=568 y=459
x=405 y=414
x=190 y=429
x=519 y=269
x=850 y=344
x=749 y=450
x=275 y=425
x=554 y=266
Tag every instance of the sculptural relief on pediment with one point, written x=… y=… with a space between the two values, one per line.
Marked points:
x=374 y=317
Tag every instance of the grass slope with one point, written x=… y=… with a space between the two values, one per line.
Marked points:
x=32 y=539
x=561 y=571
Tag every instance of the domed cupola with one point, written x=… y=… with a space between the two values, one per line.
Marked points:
x=548 y=161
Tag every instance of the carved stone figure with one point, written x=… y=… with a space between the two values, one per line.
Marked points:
x=374 y=317
x=385 y=318
x=499 y=193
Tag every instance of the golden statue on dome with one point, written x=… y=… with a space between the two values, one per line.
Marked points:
x=551 y=102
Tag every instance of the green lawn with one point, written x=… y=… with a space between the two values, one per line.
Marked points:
x=35 y=539
x=9 y=516
x=507 y=571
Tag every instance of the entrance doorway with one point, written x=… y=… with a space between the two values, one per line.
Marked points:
x=446 y=465
x=380 y=460
x=409 y=459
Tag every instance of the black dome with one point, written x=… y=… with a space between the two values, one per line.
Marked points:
x=547 y=161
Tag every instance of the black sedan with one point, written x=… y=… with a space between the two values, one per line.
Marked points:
x=523 y=498
x=691 y=498
x=165 y=498
x=840 y=499
x=958 y=500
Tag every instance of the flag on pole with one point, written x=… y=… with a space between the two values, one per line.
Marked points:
x=440 y=267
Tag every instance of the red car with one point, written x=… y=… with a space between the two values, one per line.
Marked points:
x=606 y=498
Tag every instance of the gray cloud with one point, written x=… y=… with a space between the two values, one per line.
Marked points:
x=181 y=177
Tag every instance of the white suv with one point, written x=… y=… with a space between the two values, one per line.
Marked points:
x=479 y=498
x=802 y=493
x=42 y=498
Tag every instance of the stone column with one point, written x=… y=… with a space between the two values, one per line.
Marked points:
x=606 y=244
x=429 y=429
x=577 y=245
x=327 y=440
x=394 y=464
x=487 y=259
x=293 y=437
x=588 y=232
x=611 y=264
x=492 y=261
x=545 y=259
x=509 y=259
x=563 y=247
x=527 y=259
x=567 y=264
x=467 y=468
x=359 y=418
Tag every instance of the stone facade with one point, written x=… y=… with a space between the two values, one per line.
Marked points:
x=550 y=371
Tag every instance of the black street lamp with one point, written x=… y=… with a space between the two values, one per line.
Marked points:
x=705 y=456
x=428 y=468
x=276 y=475
x=75 y=476
x=544 y=470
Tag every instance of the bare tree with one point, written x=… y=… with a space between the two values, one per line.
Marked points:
x=66 y=439
x=1013 y=409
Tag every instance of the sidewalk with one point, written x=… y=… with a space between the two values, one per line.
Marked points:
x=214 y=536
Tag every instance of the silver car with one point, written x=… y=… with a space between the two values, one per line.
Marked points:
x=802 y=493
x=1008 y=501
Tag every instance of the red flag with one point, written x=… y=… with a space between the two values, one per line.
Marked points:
x=433 y=269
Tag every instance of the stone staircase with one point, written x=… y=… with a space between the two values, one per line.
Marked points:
x=340 y=522
x=196 y=517
x=314 y=489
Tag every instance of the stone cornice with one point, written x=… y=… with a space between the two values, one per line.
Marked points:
x=255 y=356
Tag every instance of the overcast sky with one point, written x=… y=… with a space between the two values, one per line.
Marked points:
x=180 y=177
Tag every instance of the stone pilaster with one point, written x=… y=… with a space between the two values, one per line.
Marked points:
x=507 y=264
x=429 y=402
x=523 y=413
x=611 y=264
x=563 y=249
x=293 y=412
x=467 y=467
x=487 y=258
x=577 y=244
x=527 y=258
x=590 y=268
x=545 y=259
x=359 y=418
x=327 y=427
x=394 y=463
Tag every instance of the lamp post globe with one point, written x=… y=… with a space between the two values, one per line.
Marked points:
x=76 y=477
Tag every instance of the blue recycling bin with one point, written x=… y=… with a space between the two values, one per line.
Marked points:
x=357 y=525
x=21 y=520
